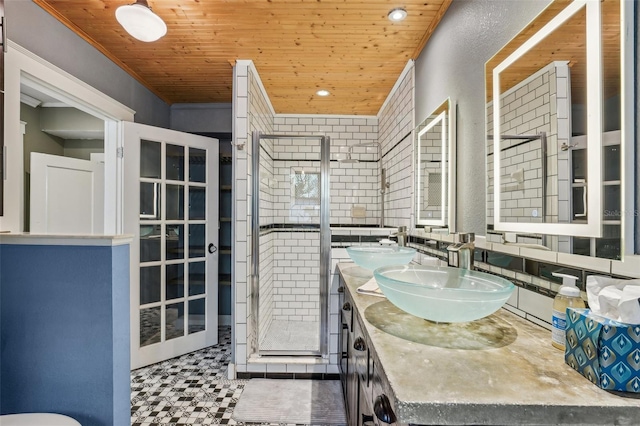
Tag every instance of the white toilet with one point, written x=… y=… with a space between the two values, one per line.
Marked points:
x=37 y=419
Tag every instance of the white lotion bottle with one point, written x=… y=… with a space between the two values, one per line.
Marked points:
x=568 y=296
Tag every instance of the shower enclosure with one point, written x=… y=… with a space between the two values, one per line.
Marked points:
x=291 y=243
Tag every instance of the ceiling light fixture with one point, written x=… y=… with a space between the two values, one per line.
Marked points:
x=397 y=15
x=322 y=92
x=140 y=22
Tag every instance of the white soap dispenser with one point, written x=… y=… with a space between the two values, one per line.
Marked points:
x=568 y=296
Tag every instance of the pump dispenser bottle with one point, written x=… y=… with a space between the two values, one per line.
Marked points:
x=568 y=296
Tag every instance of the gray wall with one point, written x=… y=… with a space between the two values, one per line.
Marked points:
x=37 y=31
x=202 y=118
x=452 y=64
x=83 y=148
x=35 y=140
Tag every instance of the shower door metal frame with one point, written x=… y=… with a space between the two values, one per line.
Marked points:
x=325 y=241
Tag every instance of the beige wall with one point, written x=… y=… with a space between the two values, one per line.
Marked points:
x=35 y=140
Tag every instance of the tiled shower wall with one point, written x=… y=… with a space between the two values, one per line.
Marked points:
x=395 y=135
x=296 y=275
x=540 y=103
x=252 y=111
x=268 y=183
x=267 y=267
x=289 y=276
x=351 y=184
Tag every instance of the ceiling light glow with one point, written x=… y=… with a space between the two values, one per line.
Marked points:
x=140 y=22
x=322 y=92
x=397 y=15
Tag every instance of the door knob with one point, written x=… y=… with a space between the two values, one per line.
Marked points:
x=212 y=248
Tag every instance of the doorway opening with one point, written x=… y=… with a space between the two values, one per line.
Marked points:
x=63 y=152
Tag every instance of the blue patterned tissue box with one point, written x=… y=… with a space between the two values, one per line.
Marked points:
x=604 y=351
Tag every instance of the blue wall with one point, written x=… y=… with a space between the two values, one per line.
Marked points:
x=64 y=332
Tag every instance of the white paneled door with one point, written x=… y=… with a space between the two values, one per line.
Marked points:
x=67 y=195
x=171 y=206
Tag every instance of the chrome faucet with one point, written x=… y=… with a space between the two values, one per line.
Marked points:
x=401 y=235
x=460 y=254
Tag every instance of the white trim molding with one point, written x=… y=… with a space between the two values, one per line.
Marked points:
x=22 y=66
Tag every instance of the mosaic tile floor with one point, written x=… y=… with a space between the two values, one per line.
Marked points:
x=190 y=390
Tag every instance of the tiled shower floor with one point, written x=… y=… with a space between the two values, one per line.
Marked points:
x=190 y=390
x=285 y=335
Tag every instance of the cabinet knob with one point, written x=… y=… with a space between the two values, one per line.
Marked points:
x=367 y=420
x=382 y=409
x=359 y=344
x=346 y=306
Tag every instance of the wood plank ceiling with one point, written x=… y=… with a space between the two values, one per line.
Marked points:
x=348 y=47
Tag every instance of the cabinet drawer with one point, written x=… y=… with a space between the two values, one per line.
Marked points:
x=346 y=312
x=382 y=400
x=366 y=416
x=361 y=353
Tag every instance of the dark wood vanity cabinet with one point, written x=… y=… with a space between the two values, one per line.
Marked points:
x=348 y=375
x=361 y=387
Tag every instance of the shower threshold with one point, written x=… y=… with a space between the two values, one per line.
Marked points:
x=285 y=337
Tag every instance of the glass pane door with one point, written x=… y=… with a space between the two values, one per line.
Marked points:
x=176 y=303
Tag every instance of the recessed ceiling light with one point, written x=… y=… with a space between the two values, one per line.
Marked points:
x=397 y=15
x=322 y=92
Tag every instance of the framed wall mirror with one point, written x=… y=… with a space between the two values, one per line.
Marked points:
x=435 y=168
x=557 y=132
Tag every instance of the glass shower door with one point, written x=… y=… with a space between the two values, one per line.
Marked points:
x=292 y=241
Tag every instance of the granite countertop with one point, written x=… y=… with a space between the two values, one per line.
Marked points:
x=501 y=369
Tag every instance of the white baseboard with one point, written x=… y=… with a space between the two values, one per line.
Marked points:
x=231 y=371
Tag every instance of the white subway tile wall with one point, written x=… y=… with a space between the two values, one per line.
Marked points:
x=289 y=288
x=540 y=103
x=535 y=105
x=395 y=135
x=252 y=111
x=296 y=275
x=268 y=268
x=350 y=183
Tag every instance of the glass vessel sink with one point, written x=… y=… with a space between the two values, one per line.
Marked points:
x=372 y=257
x=443 y=294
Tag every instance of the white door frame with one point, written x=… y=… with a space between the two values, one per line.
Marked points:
x=23 y=66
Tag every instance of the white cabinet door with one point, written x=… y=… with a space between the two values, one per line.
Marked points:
x=67 y=195
x=171 y=207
